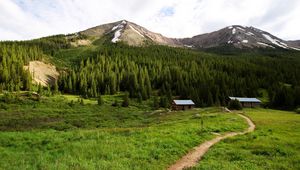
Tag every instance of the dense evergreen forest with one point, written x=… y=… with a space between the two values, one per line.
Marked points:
x=13 y=57
x=206 y=77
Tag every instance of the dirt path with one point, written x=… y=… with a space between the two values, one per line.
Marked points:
x=195 y=155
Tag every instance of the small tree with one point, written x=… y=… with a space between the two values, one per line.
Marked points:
x=125 y=102
x=81 y=101
x=40 y=89
x=164 y=102
x=55 y=88
x=115 y=103
x=235 y=105
x=155 y=102
x=100 y=100
x=298 y=110
x=140 y=98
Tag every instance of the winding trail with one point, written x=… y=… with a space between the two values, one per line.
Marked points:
x=194 y=156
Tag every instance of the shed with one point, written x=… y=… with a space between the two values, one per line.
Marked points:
x=182 y=104
x=247 y=102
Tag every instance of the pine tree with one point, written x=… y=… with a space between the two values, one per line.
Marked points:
x=100 y=100
x=125 y=102
x=55 y=88
x=40 y=89
x=155 y=102
x=209 y=99
x=140 y=98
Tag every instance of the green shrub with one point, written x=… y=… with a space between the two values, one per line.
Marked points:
x=71 y=103
x=125 y=102
x=81 y=102
x=235 y=105
x=100 y=100
x=3 y=106
x=298 y=110
x=115 y=103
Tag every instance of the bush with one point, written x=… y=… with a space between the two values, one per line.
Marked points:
x=125 y=102
x=81 y=102
x=298 y=110
x=71 y=104
x=115 y=103
x=100 y=100
x=3 y=106
x=164 y=102
x=155 y=103
x=235 y=105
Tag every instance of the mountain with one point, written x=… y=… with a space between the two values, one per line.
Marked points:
x=294 y=43
x=236 y=36
x=129 y=33
x=239 y=37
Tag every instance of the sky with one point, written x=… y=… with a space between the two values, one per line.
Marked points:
x=29 y=19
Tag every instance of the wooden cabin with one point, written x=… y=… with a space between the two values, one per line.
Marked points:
x=247 y=102
x=182 y=104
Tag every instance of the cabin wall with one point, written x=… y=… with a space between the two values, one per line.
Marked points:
x=250 y=104
x=181 y=107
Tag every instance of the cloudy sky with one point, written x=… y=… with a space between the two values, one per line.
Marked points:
x=27 y=19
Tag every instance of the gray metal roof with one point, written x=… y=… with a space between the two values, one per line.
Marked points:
x=184 y=102
x=245 y=99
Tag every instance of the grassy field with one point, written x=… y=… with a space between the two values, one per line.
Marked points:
x=52 y=134
x=275 y=144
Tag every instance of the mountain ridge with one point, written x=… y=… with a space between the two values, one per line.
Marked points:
x=236 y=36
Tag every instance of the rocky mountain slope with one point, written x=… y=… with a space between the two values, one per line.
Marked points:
x=236 y=36
x=129 y=33
x=239 y=37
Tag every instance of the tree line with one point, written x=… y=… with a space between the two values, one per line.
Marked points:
x=205 y=77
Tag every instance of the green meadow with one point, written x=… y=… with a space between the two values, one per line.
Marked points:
x=275 y=144
x=56 y=133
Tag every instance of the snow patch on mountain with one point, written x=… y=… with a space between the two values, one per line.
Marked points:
x=136 y=31
x=275 y=41
x=250 y=34
x=233 y=31
x=295 y=48
x=242 y=29
x=245 y=41
x=117 y=36
x=189 y=46
x=264 y=44
x=120 y=26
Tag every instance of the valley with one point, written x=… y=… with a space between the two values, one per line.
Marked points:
x=102 y=99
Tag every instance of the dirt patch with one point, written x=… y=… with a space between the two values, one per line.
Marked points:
x=45 y=74
x=81 y=43
x=193 y=157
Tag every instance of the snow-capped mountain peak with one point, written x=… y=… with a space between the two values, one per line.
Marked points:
x=236 y=35
x=129 y=33
x=240 y=37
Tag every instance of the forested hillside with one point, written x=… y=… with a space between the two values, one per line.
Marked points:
x=206 y=77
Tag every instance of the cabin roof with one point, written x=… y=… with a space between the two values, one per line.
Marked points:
x=245 y=99
x=184 y=102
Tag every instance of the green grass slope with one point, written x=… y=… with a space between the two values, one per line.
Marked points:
x=275 y=144
x=57 y=136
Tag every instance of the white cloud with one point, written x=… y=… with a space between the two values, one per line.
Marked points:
x=27 y=19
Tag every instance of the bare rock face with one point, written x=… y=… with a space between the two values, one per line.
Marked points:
x=42 y=73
